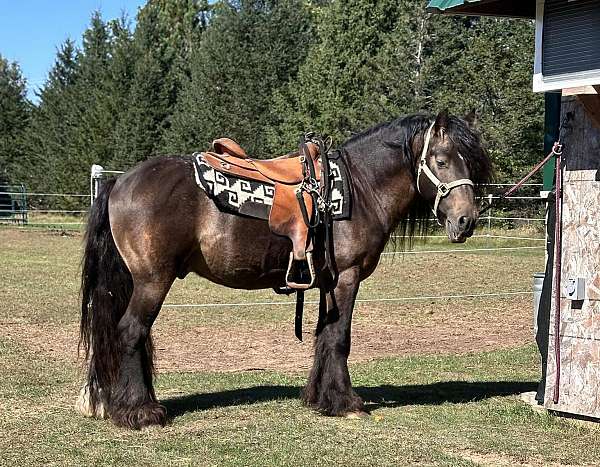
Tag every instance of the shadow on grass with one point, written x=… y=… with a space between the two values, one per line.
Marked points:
x=455 y=392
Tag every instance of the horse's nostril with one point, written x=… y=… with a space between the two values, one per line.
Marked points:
x=465 y=222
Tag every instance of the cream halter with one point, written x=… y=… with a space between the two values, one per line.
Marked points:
x=443 y=189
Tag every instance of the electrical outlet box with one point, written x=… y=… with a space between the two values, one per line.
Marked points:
x=575 y=288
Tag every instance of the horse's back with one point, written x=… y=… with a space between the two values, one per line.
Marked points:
x=158 y=177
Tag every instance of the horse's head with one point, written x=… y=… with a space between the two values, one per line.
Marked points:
x=451 y=163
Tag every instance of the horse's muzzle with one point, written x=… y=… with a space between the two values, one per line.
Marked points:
x=460 y=229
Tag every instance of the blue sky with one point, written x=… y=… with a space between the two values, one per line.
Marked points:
x=31 y=30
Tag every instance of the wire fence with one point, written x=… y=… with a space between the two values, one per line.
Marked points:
x=358 y=300
x=42 y=210
x=504 y=237
x=459 y=250
x=74 y=219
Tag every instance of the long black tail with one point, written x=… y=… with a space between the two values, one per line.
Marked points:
x=106 y=288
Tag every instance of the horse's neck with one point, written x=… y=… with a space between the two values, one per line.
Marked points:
x=383 y=182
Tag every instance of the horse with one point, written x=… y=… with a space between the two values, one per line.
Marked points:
x=153 y=225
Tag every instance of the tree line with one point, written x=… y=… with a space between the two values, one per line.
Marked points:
x=263 y=72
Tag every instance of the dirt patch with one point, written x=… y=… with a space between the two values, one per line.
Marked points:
x=44 y=340
x=243 y=338
x=492 y=459
x=386 y=331
x=274 y=347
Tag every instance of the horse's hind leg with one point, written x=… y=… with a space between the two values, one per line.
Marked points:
x=132 y=400
x=329 y=389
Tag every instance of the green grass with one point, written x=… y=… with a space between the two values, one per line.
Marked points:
x=427 y=410
x=40 y=277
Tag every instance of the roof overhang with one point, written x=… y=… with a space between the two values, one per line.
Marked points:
x=510 y=8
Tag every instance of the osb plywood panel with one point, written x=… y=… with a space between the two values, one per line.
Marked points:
x=581 y=234
x=580 y=175
x=579 y=322
x=579 y=370
x=581 y=144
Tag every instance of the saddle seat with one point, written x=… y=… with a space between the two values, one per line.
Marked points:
x=286 y=174
x=286 y=169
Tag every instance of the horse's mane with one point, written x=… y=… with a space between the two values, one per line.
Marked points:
x=398 y=135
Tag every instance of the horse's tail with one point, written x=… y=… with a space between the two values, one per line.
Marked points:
x=106 y=289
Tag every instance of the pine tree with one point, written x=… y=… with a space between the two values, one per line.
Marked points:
x=120 y=78
x=162 y=44
x=14 y=118
x=492 y=74
x=93 y=88
x=250 y=49
x=74 y=124
x=335 y=91
x=50 y=140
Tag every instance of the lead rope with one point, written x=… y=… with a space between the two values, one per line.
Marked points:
x=558 y=255
x=557 y=269
x=555 y=152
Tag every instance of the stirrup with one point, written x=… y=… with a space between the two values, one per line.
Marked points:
x=285 y=290
x=289 y=277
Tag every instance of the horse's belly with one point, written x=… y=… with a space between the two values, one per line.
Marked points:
x=244 y=255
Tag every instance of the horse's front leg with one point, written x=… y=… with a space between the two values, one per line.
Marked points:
x=329 y=389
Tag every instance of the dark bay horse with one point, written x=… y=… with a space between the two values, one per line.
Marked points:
x=154 y=225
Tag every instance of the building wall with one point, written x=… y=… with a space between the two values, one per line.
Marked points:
x=579 y=322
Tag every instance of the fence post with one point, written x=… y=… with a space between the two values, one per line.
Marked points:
x=489 y=219
x=95 y=176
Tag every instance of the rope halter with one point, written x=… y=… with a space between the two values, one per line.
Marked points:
x=443 y=189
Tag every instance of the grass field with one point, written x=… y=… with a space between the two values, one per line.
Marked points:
x=440 y=376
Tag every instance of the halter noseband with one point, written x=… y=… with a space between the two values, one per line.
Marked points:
x=443 y=189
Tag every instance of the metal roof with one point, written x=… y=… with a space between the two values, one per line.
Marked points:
x=445 y=4
x=513 y=8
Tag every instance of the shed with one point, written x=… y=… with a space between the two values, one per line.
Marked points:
x=567 y=69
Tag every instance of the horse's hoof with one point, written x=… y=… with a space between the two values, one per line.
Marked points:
x=144 y=416
x=152 y=414
x=357 y=414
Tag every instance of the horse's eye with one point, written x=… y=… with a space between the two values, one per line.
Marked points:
x=441 y=164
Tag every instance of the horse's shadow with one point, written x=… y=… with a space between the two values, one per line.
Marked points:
x=454 y=392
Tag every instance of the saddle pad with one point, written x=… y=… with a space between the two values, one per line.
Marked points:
x=253 y=198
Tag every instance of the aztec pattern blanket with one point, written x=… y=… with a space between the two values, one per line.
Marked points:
x=254 y=199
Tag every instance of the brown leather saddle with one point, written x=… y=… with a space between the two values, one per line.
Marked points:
x=297 y=198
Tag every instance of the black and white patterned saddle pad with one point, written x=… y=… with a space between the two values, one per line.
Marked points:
x=252 y=198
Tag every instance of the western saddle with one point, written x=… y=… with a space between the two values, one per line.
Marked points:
x=300 y=199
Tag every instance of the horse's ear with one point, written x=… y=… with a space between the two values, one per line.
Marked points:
x=472 y=119
x=441 y=122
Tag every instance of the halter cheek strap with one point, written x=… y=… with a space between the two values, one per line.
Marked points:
x=443 y=189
